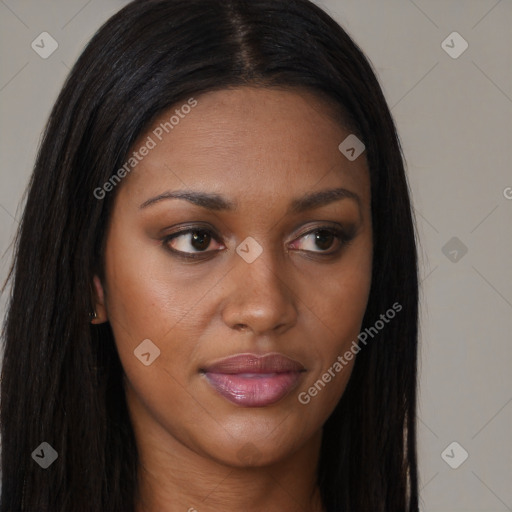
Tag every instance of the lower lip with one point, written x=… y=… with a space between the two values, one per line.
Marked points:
x=254 y=390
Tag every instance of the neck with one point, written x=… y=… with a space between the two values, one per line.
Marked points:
x=173 y=478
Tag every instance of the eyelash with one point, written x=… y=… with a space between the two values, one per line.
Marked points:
x=344 y=237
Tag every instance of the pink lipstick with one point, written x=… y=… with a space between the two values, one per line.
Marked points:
x=249 y=380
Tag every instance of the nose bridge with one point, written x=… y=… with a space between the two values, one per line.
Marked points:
x=261 y=276
x=260 y=298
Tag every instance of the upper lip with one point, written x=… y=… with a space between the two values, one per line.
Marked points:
x=252 y=363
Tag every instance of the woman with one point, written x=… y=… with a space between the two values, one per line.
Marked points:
x=215 y=295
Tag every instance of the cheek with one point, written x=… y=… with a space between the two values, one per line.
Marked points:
x=338 y=302
x=149 y=296
x=338 y=298
x=149 y=308
x=146 y=293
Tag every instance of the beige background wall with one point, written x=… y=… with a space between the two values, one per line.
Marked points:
x=454 y=116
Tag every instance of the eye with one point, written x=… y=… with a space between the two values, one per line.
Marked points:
x=193 y=243
x=321 y=239
x=199 y=239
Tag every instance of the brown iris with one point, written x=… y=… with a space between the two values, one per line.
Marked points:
x=201 y=240
x=324 y=239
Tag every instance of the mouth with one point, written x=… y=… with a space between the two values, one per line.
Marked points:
x=248 y=380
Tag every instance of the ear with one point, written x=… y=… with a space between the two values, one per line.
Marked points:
x=99 y=302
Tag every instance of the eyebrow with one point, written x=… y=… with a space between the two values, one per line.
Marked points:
x=216 y=202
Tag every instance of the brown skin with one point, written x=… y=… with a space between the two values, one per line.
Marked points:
x=260 y=148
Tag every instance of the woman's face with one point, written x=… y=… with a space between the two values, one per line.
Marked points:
x=252 y=261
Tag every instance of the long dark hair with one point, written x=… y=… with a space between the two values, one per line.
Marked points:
x=62 y=377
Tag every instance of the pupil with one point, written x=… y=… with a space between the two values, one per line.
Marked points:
x=323 y=242
x=201 y=240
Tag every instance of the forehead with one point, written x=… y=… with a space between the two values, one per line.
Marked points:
x=247 y=138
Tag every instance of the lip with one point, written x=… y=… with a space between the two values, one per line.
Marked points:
x=249 y=380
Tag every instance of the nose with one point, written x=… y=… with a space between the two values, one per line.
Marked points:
x=259 y=298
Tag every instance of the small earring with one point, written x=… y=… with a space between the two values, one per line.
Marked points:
x=93 y=315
